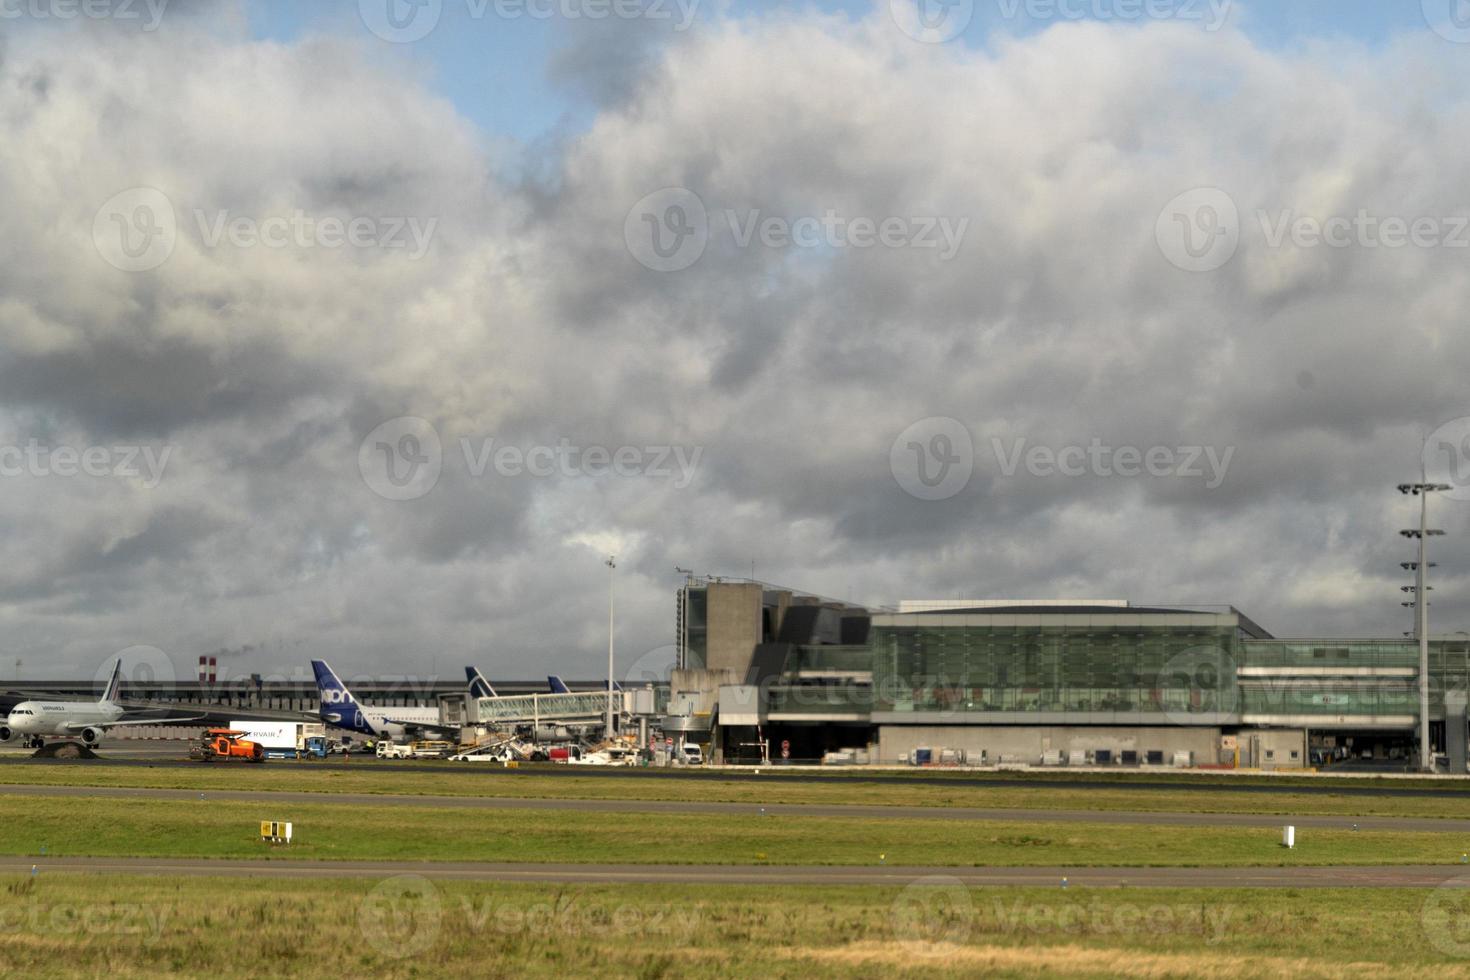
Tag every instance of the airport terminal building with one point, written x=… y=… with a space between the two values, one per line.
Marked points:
x=765 y=669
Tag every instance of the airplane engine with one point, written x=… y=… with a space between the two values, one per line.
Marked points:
x=5 y=733
x=92 y=737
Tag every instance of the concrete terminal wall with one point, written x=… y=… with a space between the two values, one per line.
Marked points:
x=1026 y=745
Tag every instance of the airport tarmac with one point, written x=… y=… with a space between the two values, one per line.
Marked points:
x=1428 y=876
x=1401 y=824
x=172 y=753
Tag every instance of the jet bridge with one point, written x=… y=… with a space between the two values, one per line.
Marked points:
x=535 y=709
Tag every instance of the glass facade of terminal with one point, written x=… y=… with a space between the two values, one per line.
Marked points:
x=1125 y=667
x=1116 y=664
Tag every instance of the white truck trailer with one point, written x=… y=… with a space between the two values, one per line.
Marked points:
x=280 y=739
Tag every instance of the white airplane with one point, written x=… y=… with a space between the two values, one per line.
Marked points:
x=89 y=721
x=338 y=707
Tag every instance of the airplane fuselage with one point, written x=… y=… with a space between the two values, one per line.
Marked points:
x=60 y=718
x=367 y=720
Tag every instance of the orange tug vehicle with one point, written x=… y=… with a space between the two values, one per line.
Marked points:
x=226 y=743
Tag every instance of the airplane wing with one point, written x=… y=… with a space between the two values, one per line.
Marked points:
x=425 y=725
x=77 y=726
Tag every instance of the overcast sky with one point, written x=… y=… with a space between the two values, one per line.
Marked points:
x=369 y=333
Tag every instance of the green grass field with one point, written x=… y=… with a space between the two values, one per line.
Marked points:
x=125 y=926
x=376 y=777
x=225 y=829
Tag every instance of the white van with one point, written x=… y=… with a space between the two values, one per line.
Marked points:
x=691 y=755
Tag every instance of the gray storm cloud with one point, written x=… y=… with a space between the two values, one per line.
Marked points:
x=792 y=368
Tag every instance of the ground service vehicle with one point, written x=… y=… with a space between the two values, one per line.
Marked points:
x=227 y=743
x=613 y=756
x=433 y=749
x=280 y=739
x=392 y=750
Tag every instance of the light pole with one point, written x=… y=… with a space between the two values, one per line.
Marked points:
x=612 y=565
x=1422 y=534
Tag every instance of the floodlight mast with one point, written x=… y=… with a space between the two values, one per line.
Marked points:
x=1422 y=534
x=612 y=565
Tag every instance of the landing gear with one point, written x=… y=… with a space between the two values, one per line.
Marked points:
x=36 y=742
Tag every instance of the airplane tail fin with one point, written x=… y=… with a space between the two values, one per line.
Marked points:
x=331 y=692
x=479 y=687
x=114 y=684
x=558 y=686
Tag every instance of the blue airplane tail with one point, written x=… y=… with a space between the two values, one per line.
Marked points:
x=337 y=705
x=479 y=687
x=558 y=686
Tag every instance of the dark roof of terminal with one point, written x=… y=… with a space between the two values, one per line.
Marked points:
x=1052 y=610
x=1247 y=624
